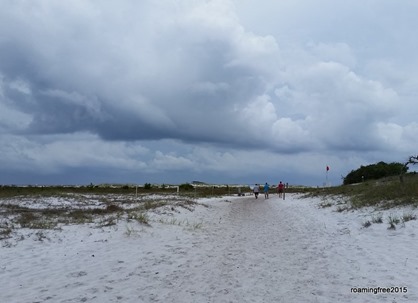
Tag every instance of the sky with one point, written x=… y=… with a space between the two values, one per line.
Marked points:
x=217 y=91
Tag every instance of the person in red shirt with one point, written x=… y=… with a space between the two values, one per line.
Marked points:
x=280 y=188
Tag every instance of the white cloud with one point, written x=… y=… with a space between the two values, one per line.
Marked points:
x=334 y=52
x=399 y=138
x=171 y=161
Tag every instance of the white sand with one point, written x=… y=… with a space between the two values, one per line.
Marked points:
x=237 y=249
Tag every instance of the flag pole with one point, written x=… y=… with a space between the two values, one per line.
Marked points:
x=326 y=178
x=326 y=175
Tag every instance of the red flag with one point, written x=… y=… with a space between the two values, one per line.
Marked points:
x=327 y=168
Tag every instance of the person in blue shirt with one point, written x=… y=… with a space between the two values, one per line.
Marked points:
x=266 y=190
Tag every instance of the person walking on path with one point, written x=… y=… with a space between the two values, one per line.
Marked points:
x=266 y=190
x=280 y=188
x=256 y=190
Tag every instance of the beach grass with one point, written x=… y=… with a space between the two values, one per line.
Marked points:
x=385 y=193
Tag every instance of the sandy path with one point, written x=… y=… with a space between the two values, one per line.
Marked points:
x=280 y=251
x=259 y=251
x=246 y=251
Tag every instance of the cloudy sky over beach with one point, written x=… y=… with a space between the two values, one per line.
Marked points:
x=218 y=91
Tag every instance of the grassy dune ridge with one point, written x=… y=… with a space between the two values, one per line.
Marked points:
x=49 y=207
x=384 y=193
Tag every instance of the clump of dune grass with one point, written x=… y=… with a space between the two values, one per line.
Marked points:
x=377 y=218
x=408 y=217
x=342 y=208
x=367 y=224
x=5 y=232
x=34 y=220
x=140 y=217
x=325 y=204
x=393 y=221
x=108 y=221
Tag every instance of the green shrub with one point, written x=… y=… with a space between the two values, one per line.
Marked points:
x=186 y=187
x=374 y=171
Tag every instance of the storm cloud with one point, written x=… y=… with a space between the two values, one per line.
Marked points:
x=223 y=91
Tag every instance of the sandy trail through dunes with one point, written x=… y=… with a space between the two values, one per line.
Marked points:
x=234 y=249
